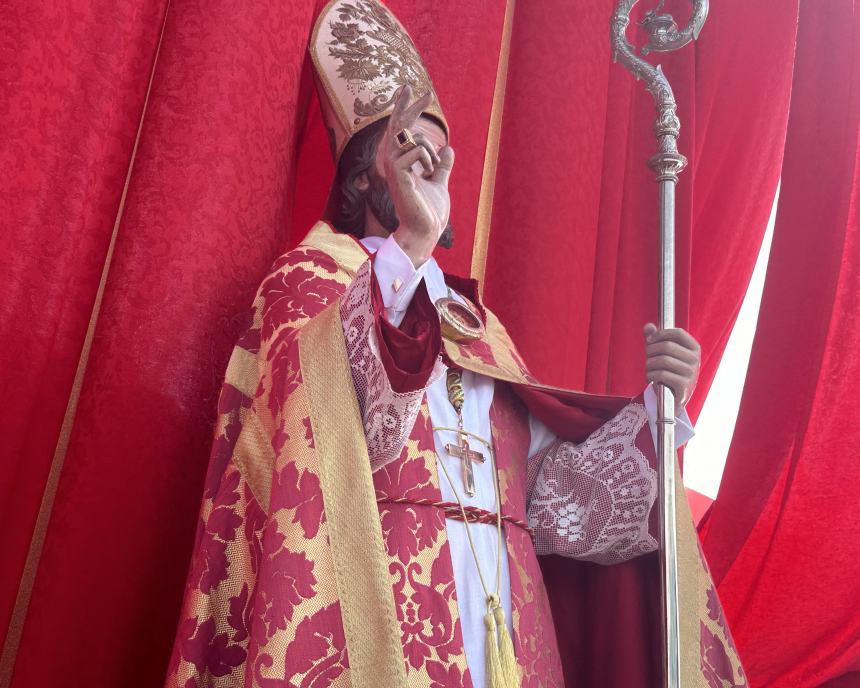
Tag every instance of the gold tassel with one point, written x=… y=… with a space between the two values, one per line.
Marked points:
x=495 y=676
x=507 y=658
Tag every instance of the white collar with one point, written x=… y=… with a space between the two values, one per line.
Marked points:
x=433 y=275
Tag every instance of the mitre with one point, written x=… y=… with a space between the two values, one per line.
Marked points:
x=362 y=55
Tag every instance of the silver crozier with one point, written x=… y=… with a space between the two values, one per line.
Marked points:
x=667 y=163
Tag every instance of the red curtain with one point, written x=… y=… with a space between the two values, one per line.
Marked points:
x=575 y=221
x=73 y=77
x=782 y=537
x=231 y=169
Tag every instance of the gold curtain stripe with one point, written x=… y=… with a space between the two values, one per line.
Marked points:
x=355 y=532
x=34 y=553
x=491 y=157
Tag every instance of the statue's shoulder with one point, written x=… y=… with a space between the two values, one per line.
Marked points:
x=325 y=243
x=487 y=348
x=324 y=257
x=323 y=251
x=306 y=279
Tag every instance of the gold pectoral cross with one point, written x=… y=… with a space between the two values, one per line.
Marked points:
x=464 y=452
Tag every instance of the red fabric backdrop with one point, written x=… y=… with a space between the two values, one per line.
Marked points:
x=782 y=537
x=231 y=170
x=73 y=82
x=575 y=224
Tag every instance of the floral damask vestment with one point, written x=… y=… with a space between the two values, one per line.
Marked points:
x=262 y=606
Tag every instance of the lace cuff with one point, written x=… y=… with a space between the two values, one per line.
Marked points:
x=592 y=501
x=388 y=414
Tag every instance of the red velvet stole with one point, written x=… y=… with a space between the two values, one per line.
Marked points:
x=573 y=416
x=409 y=351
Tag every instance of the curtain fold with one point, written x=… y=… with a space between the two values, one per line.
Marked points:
x=782 y=536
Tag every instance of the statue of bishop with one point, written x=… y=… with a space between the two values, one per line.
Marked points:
x=392 y=499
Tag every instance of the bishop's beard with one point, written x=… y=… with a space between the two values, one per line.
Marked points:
x=382 y=206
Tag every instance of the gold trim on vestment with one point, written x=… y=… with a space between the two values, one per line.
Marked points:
x=367 y=606
x=491 y=157
x=689 y=582
x=243 y=371
x=350 y=256
x=254 y=442
x=37 y=541
x=346 y=251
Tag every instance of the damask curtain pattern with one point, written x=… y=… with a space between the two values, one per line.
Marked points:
x=73 y=79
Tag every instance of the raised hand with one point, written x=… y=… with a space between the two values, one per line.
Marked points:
x=417 y=178
x=672 y=358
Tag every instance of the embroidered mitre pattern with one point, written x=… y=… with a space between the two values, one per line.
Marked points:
x=363 y=56
x=375 y=56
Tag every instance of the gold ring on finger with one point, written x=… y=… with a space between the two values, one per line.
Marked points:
x=406 y=140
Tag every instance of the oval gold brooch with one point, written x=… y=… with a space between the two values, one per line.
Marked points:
x=459 y=322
